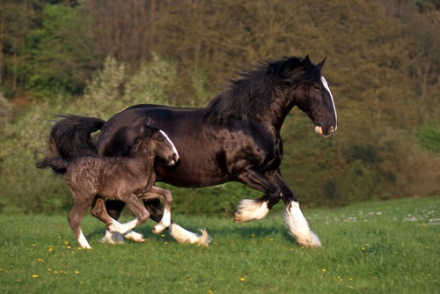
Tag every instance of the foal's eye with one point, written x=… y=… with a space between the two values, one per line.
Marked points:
x=160 y=139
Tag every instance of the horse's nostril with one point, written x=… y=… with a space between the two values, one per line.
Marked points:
x=331 y=129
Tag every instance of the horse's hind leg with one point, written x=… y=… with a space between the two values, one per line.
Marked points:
x=180 y=234
x=157 y=192
x=75 y=217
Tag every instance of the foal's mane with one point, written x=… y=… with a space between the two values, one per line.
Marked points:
x=254 y=91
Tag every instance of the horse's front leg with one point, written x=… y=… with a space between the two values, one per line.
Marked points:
x=256 y=209
x=163 y=217
x=294 y=218
x=275 y=189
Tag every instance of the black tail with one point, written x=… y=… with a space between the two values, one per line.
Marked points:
x=71 y=137
x=57 y=164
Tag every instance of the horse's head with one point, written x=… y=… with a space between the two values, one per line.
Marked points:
x=313 y=96
x=154 y=141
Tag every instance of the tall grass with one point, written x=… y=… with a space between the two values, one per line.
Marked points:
x=374 y=247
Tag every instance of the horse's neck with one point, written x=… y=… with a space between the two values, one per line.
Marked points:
x=278 y=111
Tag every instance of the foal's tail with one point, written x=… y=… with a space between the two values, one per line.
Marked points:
x=71 y=137
x=57 y=164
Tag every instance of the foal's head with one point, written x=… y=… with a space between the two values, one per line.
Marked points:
x=154 y=142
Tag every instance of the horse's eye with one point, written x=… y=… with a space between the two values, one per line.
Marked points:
x=317 y=88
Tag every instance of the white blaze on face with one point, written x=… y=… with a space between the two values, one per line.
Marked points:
x=324 y=82
x=171 y=142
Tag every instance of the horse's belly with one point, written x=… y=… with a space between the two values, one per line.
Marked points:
x=188 y=178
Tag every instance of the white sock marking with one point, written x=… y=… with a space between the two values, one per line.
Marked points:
x=298 y=226
x=249 y=209
x=183 y=236
x=83 y=241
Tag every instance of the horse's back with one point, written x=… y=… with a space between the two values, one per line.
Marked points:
x=120 y=131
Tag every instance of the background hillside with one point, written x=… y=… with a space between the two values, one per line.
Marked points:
x=96 y=58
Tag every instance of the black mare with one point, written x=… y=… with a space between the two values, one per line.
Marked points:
x=235 y=138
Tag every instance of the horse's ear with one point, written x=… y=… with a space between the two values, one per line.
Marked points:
x=321 y=64
x=307 y=63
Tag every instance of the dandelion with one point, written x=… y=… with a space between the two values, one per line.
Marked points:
x=49 y=270
x=242 y=279
x=165 y=243
x=34 y=245
x=77 y=272
x=40 y=260
x=35 y=276
x=66 y=243
x=350 y=279
x=324 y=270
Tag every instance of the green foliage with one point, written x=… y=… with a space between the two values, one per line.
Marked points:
x=51 y=64
x=375 y=247
x=5 y=112
x=96 y=58
x=29 y=190
x=429 y=138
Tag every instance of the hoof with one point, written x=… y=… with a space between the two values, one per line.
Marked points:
x=311 y=241
x=112 y=238
x=157 y=229
x=183 y=236
x=133 y=236
x=249 y=210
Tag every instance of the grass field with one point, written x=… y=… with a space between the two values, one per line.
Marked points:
x=373 y=247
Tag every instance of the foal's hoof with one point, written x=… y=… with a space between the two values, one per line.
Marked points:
x=157 y=229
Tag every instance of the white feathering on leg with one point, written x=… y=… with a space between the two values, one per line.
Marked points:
x=249 y=209
x=183 y=236
x=298 y=226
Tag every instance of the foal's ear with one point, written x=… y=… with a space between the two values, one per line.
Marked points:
x=321 y=64
x=148 y=131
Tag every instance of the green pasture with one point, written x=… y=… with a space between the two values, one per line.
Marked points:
x=372 y=247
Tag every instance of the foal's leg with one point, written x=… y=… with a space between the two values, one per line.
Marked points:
x=82 y=202
x=177 y=232
x=137 y=207
x=114 y=209
x=156 y=192
x=99 y=211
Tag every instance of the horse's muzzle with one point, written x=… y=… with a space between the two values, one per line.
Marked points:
x=173 y=160
x=329 y=131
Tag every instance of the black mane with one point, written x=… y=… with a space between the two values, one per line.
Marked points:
x=253 y=93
